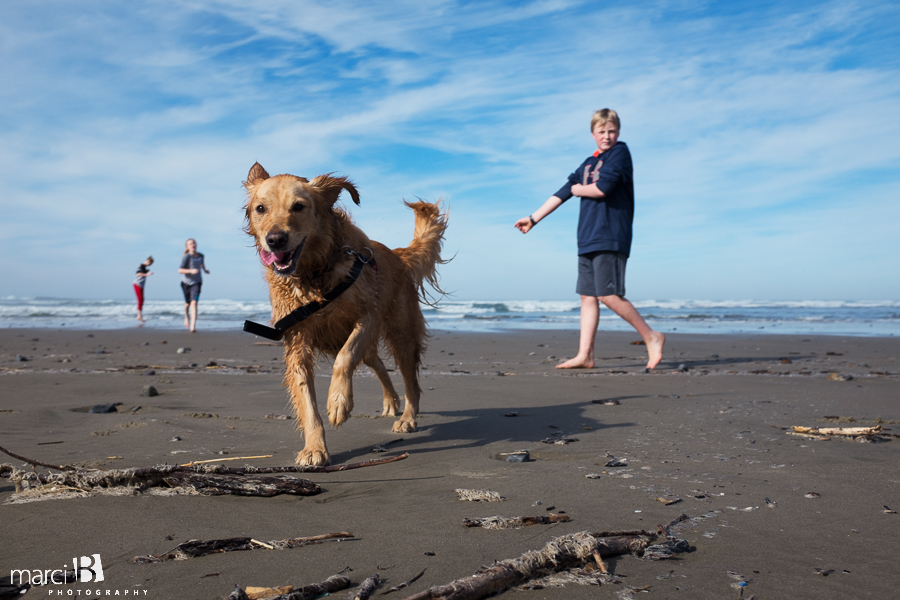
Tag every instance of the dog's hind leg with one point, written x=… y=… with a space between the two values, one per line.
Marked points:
x=391 y=399
x=340 y=393
x=407 y=352
x=299 y=378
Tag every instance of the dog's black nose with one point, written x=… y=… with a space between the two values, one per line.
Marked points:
x=276 y=240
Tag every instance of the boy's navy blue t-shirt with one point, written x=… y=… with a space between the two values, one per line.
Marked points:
x=605 y=223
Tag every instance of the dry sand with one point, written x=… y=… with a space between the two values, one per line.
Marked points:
x=712 y=436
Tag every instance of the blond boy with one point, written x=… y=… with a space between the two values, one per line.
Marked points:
x=605 y=184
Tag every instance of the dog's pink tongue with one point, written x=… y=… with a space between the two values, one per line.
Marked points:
x=269 y=257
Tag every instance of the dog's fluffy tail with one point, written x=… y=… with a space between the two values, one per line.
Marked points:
x=423 y=254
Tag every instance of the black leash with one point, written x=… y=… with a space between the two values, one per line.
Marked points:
x=303 y=312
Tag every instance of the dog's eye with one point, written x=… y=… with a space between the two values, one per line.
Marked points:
x=260 y=209
x=297 y=207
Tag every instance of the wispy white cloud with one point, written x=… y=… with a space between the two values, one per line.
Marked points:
x=130 y=127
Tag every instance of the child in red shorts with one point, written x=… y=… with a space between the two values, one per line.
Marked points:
x=139 y=279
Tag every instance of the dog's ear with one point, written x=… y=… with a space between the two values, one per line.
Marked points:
x=256 y=176
x=331 y=187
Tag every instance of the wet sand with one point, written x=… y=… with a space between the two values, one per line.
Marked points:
x=712 y=436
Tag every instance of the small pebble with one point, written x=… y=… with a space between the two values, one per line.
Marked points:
x=183 y=350
x=149 y=372
x=149 y=391
x=518 y=457
x=21 y=358
x=104 y=408
x=683 y=368
x=175 y=439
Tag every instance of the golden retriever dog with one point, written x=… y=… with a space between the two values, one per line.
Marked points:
x=311 y=250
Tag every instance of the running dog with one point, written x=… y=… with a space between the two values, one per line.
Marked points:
x=334 y=291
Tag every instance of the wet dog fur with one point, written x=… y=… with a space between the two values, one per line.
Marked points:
x=303 y=240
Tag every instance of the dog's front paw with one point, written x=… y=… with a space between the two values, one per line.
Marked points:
x=339 y=407
x=313 y=458
x=403 y=426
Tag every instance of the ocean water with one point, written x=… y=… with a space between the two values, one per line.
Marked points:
x=855 y=318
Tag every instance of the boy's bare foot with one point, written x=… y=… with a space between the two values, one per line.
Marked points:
x=655 y=343
x=187 y=323
x=578 y=362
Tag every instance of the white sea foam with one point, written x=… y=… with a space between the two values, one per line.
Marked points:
x=858 y=317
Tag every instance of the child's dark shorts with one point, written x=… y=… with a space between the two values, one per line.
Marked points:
x=601 y=274
x=191 y=292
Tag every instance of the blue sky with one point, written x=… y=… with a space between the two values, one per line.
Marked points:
x=765 y=136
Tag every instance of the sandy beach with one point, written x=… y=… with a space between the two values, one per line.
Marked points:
x=706 y=432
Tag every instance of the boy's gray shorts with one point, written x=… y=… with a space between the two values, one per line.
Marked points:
x=601 y=274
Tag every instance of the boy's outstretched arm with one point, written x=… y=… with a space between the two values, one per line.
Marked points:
x=525 y=223
x=587 y=191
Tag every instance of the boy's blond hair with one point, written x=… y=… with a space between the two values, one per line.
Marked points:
x=604 y=115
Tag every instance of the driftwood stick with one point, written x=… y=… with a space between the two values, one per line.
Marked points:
x=397 y=588
x=199 y=468
x=664 y=529
x=296 y=469
x=599 y=560
x=210 y=480
x=559 y=554
x=38 y=463
x=195 y=548
x=213 y=460
x=366 y=588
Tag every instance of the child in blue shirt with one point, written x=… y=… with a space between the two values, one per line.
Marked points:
x=605 y=184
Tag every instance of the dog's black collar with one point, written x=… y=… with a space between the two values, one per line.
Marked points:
x=303 y=312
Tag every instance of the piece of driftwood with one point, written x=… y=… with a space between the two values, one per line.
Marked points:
x=557 y=555
x=255 y=593
x=195 y=548
x=857 y=434
x=210 y=484
x=366 y=588
x=407 y=583
x=335 y=583
x=499 y=522
x=188 y=479
x=665 y=529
